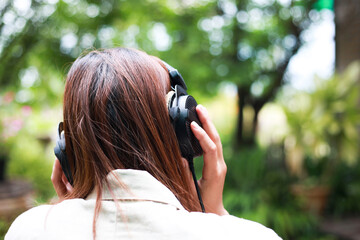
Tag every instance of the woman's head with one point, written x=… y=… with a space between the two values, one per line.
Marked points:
x=115 y=116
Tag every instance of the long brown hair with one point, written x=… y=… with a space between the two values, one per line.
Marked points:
x=115 y=117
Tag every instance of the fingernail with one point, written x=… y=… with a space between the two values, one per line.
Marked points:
x=195 y=125
x=69 y=188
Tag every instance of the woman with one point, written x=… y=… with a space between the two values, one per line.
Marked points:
x=128 y=179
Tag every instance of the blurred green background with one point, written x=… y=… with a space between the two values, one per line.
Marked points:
x=290 y=133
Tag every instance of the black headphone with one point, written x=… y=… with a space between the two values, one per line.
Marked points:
x=182 y=111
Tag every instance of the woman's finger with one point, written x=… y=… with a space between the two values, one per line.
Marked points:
x=60 y=183
x=56 y=179
x=212 y=182
x=207 y=145
x=66 y=183
x=56 y=175
x=211 y=153
x=207 y=124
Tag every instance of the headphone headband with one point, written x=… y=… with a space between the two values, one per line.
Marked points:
x=175 y=77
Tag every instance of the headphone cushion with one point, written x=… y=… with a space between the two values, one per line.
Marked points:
x=190 y=105
x=170 y=96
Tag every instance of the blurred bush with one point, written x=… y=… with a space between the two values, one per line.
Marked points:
x=345 y=195
x=324 y=126
x=26 y=143
x=258 y=188
x=4 y=226
x=28 y=160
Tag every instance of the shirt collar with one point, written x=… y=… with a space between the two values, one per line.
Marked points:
x=136 y=185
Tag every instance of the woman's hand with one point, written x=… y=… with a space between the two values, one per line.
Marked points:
x=60 y=182
x=214 y=171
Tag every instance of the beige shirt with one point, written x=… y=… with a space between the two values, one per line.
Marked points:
x=147 y=210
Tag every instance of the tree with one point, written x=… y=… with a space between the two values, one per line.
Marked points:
x=347 y=23
x=248 y=43
x=37 y=43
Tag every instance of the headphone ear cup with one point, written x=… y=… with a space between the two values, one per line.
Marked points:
x=60 y=153
x=189 y=145
x=182 y=111
x=190 y=105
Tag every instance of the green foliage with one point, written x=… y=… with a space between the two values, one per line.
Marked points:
x=243 y=42
x=24 y=143
x=28 y=160
x=344 y=199
x=28 y=153
x=323 y=123
x=258 y=188
x=4 y=226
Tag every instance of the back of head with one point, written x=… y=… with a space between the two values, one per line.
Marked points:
x=115 y=117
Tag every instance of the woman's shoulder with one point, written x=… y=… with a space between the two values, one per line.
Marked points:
x=29 y=224
x=49 y=221
x=231 y=227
